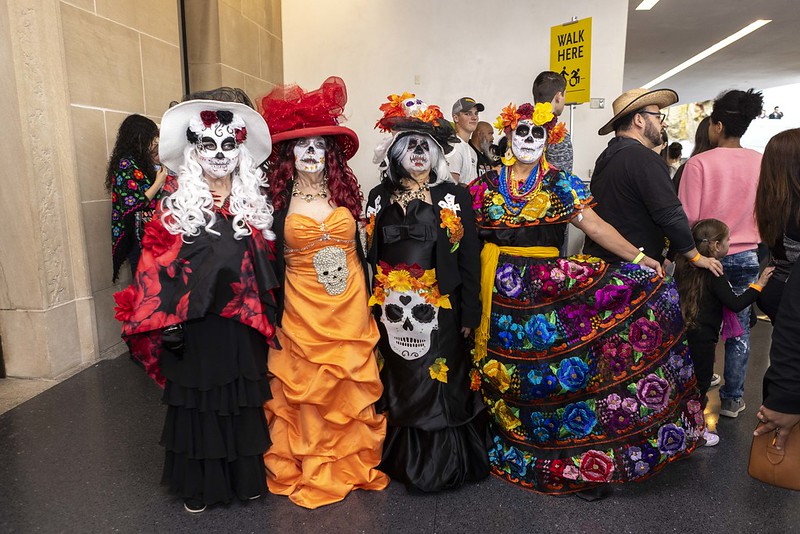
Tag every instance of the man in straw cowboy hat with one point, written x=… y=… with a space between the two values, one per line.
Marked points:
x=631 y=183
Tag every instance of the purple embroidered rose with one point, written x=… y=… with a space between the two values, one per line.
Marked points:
x=686 y=373
x=630 y=405
x=635 y=453
x=618 y=364
x=625 y=350
x=641 y=468
x=653 y=391
x=645 y=335
x=580 y=320
x=671 y=439
x=672 y=295
x=694 y=406
x=612 y=298
x=620 y=420
x=609 y=349
x=613 y=401
x=508 y=281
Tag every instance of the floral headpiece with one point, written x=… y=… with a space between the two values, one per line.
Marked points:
x=209 y=118
x=407 y=106
x=541 y=115
x=404 y=278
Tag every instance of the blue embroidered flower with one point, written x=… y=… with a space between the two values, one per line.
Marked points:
x=540 y=434
x=504 y=322
x=577 y=185
x=535 y=377
x=573 y=373
x=506 y=339
x=545 y=387
x=579 y=419
x=115 y=231
x=515 y=461
x=495 y=212
x=641 y=468
x=541 y=332
x=508 y=281
x=671 y=439
x=635 y=453
x=517 y=331
x=650 y=454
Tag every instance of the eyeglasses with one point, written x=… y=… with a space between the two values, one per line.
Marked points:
x=661 y=116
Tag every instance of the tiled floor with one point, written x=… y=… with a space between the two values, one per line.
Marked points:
x=83 y=456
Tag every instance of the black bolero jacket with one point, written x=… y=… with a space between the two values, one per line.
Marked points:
x=458 y=272
x=279 y=227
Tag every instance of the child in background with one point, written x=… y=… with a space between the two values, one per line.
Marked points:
x=703 y=299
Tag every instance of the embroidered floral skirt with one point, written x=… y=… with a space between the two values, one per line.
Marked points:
x=587 y=376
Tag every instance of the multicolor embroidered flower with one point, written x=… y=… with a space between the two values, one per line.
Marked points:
x=612 y=298
x=596 y=466
x=575 y=271
x=508 y=281
x=515 y=461
x=138 y=174
x=641 y=468
x=477 y=190
x=541 y=332
x=124 y=163
x=557 y=275
x=537 y=206
x=474 y=380
x=571 y=472
x=620 y=420
x=495 y=212
x=645 y=335
x=671 y=439
x=580 y=319
x=630 y=405
x=497 y=374
x=505 y=416
x=579 y=419
x=535 y=376
x=650 y=454
x=438 y=370
x=544 y=388
x=653 y=391
x=634 y=453
x=573 y=373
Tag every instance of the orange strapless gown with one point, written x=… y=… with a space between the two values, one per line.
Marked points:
x=326 y=437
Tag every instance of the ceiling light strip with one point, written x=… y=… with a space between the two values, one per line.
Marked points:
x=750 y=28
x=646 y=5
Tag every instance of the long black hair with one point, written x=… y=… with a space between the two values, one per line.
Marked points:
x=135 y=135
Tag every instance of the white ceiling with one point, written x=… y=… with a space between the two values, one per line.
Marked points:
x=675 y=30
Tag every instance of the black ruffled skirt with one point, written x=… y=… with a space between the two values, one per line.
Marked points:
x=215 y=433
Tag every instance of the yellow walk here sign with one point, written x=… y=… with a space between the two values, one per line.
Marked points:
x=571 y=55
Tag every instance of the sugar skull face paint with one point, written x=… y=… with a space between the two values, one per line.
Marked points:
x=309 y=154
x=417 y=157
x=217 y=151
x=528 y=141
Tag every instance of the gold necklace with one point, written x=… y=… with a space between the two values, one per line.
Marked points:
x=404 y=198
x=308 y=197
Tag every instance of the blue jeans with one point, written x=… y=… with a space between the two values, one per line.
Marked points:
x=741 y=269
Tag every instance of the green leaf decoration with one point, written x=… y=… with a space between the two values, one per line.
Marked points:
x=632 y=388
x=591 y=403
x=455 y=247
x=651 y=315
x=563 y=432
x=554 y=368
x=643 y=411
x=636 y=357
x=660 y=372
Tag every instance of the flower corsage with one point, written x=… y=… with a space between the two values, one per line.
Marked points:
x=450 y=220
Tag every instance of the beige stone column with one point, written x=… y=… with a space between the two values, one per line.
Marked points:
x=47 y=318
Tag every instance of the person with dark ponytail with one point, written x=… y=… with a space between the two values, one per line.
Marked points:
x=721 y=184
x=706 y=299
x=134 y=178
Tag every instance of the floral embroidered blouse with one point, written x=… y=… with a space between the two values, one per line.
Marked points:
x=130 y=210
x=535 y=217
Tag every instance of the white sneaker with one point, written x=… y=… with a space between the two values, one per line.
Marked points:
x=715 y=380
x=711 y=438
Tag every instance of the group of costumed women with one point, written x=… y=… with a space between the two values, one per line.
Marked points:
x=309 y=348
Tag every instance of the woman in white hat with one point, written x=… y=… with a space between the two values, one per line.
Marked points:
x=200 y=311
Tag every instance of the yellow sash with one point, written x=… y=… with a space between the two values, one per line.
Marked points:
x=489 y=256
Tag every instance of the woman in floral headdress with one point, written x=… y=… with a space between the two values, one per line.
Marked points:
x=424 y=251
x=200 y=310
x=326 y=434
x=584 y=366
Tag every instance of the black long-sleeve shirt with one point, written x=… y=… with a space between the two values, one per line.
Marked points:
x=635 y=195
x=782 y=379
x=717 y=292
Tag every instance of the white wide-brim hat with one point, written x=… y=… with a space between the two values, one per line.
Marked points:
x=175 y=122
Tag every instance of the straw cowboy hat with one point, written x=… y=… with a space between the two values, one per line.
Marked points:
x=636 y=99
x=176 y=120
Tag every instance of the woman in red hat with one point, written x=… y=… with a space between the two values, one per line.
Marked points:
x=326 y=434
x=424 y=253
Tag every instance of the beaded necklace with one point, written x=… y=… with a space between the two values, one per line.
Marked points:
x=517 y=197
x=404 y=197
x=308 y=197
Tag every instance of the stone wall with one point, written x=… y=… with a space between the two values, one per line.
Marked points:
x=73 y=70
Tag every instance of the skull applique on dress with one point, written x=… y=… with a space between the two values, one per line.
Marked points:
x=331 y=266
x=410 y=322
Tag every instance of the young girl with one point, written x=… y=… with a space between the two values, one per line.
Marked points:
x=703 y=297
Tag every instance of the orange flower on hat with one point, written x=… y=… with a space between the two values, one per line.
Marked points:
x=556 y=134
x=431 y=114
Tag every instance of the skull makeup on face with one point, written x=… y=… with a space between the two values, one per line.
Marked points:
x=528 y=141
x=217 y=136
x=331 y=266
x=417 y=157
x=309 y=154
x=409 y=321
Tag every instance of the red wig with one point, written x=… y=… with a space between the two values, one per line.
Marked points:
x=342 y=183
